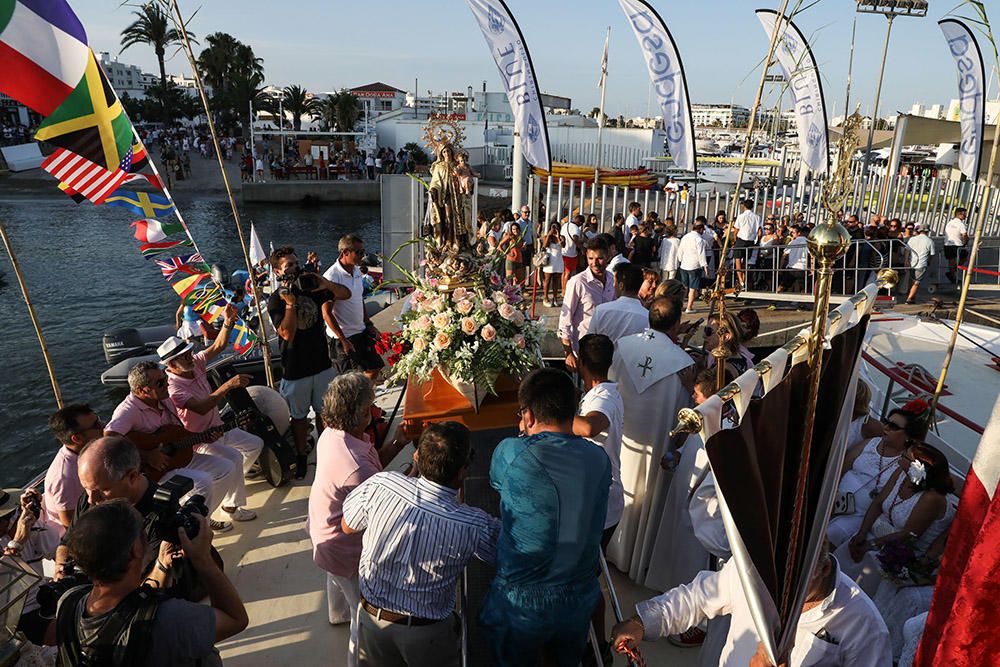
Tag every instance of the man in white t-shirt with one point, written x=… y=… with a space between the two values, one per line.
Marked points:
x=692 y=263
x=747 y=226
x=796 y=257
x=956 y=237
x=921 y=250
x=625 y=315
x=352 y=334
x=601 y=418
x=569 y=237
x=633 y=220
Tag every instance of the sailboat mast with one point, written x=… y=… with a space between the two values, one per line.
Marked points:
x=600 y=112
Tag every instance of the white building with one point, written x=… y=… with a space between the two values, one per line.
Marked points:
x=124 y=78
x=720 y=115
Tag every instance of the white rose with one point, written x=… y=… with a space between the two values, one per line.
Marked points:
x=422 y=323
x=469 y=325
x=517 y=318
x=442 y=320
x=499 y=297
x=488 y=333
x=518 y=341
x=507 y=311
x=419 y=345
x=464 y=307
x=459 y=293
x=442 y=341
x=488 y=305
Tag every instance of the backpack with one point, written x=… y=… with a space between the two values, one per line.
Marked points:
x=123 y=640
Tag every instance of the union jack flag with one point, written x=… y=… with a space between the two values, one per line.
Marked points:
x=182 y=264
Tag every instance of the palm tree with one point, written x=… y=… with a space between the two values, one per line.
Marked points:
x=339 y=112
x=298 y=102
x=153 y=27
x=246 y=87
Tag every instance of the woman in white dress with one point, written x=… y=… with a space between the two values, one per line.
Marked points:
x=914 y=503
x=553 y=269
x=669 y=259
x=869 y=465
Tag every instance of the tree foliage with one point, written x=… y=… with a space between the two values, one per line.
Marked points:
x=152 y=26
x=297 y=101
x=236 y=76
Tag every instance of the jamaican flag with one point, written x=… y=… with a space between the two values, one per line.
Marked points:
x=91 y=121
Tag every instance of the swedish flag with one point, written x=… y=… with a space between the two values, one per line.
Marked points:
x=142 y=204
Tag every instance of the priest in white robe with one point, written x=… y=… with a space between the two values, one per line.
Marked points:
x=647 y=368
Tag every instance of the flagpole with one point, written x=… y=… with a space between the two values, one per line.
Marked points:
x=257 y=296
x=31 y=313
x=718 y=293
x=600 y=113
x=967 y=280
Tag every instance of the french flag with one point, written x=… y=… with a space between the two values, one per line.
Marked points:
x=961 y=629
x=43 y=48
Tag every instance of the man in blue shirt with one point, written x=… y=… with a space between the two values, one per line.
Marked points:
x=553 y=490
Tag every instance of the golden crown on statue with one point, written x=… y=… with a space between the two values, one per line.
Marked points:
x=440 y=132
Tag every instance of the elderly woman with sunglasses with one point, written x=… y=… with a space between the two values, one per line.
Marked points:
x=732 y=335
x=913 y=506
x=870 y=465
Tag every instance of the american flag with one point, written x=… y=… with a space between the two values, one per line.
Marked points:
x=85 y=177
x=192 y=264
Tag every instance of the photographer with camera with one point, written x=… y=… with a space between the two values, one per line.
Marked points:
x=109 y=470
x=120 y=620
x=298 y=312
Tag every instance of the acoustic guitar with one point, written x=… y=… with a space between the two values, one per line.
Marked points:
x=177 y=443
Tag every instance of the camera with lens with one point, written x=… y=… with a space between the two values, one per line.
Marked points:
x=48 y=594
x=171 y=516
x=34 y=505
x=305 y=282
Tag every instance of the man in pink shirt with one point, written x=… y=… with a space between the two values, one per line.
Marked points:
x=584 y=292
x=146 y=409
x=198 y=408
x=344 y=459
x=74 y=426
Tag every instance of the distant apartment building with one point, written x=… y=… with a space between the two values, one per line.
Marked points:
x=125 y=78
x=720 y=115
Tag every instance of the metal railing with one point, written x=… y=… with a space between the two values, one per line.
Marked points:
x=918 y=199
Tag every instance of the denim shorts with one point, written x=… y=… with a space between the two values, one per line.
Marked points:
x=306 y=392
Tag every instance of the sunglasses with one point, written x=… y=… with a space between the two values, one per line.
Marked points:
x=891 y=425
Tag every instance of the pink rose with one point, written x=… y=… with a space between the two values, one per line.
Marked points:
x=507 y=311
x=422 y=323
x=464 y=307
x=459 y=293
x=442 y=320
x=433 y=282
x=469 y=325
x=488 y=333
x=518 y=341
x=419 y=296
x=488 y=305
x=419 y=345
x=499 y=297
x=442 y=341
x=517 y=318
x=438 y=304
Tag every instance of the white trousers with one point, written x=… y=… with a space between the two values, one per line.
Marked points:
x=209 y=474
x=343 y=600
x=241 y=449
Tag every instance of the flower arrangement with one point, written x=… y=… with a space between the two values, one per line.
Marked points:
x=900 y=564
x=472 y=334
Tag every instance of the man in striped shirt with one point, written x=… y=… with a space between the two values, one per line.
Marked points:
x=417 y=540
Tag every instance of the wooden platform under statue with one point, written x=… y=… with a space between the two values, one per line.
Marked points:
x=437 y=400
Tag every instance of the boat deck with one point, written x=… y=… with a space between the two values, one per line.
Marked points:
x=270 y=561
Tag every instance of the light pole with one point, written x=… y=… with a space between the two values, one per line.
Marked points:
x=890 y=9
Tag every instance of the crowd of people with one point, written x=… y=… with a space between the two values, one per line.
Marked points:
x=768 y=253
x=585 y=474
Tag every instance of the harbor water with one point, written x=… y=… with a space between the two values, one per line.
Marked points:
x=86 y=275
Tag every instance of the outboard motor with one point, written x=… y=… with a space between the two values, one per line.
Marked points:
x=122 y=344
x=220 y=275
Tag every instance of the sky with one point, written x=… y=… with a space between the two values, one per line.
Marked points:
x=333 y=44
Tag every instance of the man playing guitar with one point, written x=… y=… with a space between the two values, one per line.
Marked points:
x=145 y=411
x=197 y=406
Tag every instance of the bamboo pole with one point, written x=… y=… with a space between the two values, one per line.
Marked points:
x=31 y=313
x=967 y=280
x=257 y=295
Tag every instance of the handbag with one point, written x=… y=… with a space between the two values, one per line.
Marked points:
x=540 y=259
x=844 y=504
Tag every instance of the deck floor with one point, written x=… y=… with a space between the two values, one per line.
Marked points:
x=270 y=561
